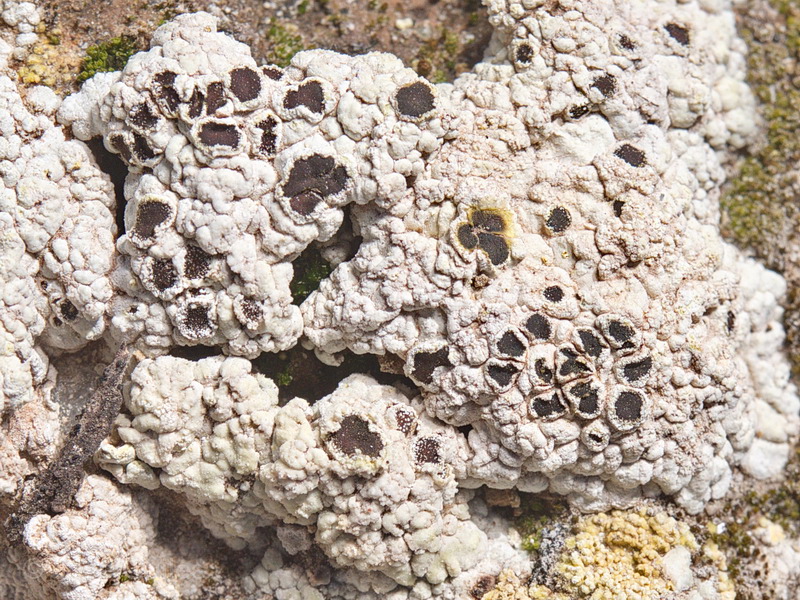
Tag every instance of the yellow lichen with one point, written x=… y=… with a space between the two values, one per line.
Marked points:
x=725 y=587
x=48 y=62
x=618 y=555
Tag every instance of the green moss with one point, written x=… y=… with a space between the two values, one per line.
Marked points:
x=759 y=206
x=285 y=42
x=758 y=201
x=537 y=514
x=738 y=545
x=438 y=58
x=780 y=504
x=112 y=55
x=124 y=577
x=284 y=378
x=309 y=269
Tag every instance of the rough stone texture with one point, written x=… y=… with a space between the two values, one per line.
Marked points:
x=437 y=39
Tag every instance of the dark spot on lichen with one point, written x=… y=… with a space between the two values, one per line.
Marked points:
x=68 y=310
x=310 y=94
x=488 y=221
x=219 y=134
x=588 y=405
x=305 y=202
x=311 y=179
x=679 y=33
x=524 y=54
x=502 y=374
x=426 y=362
x=634 y=371
x=571 y=364
x=628 y=406
x=354 y=437
x=730 y=321
x=274 y=73
x=543 y=372
x=141 y=148
x=245 y=84
x=196 y=104
x=215 y=97
x=554 y=293
x=626 y=42
x=164 y=275
x=558 y=220
x=426 y=450
x=591 y=343
x=198 y=320
x=149 y=215
x=576 y=112
x=495 y=246
x=268 y=144
x=484 y=230
x=605 y=84
x=631 y=155
x=620 y=332
x=415 y=100
x=511 y=345
x=251 y=309
x=405 y=417
x=617 y=206
x=539 y=326
x=483 y=586
x=467 y=237
x=120 y=146
x=197 y=263
x=164 y=90
x=547 y=405
x=142 y=116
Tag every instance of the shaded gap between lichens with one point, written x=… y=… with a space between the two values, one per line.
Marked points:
x=113 y=166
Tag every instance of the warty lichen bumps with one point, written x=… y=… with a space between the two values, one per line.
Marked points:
x=539 y=240
x=536 y=243
x=555 y=280
x=235 y=169
x=55 y=213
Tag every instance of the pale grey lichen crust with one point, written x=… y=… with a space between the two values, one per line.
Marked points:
x=537 y=244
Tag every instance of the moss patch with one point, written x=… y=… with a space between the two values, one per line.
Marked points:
x=440 y=58
x=759 y=204
x=284 y=41
x=309 y=270
x=111 y=55
x=779 y=504
x=536 y=514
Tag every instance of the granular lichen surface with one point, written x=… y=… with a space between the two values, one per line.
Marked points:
x=371 y=312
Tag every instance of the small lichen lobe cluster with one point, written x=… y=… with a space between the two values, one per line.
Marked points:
x=535 y=246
